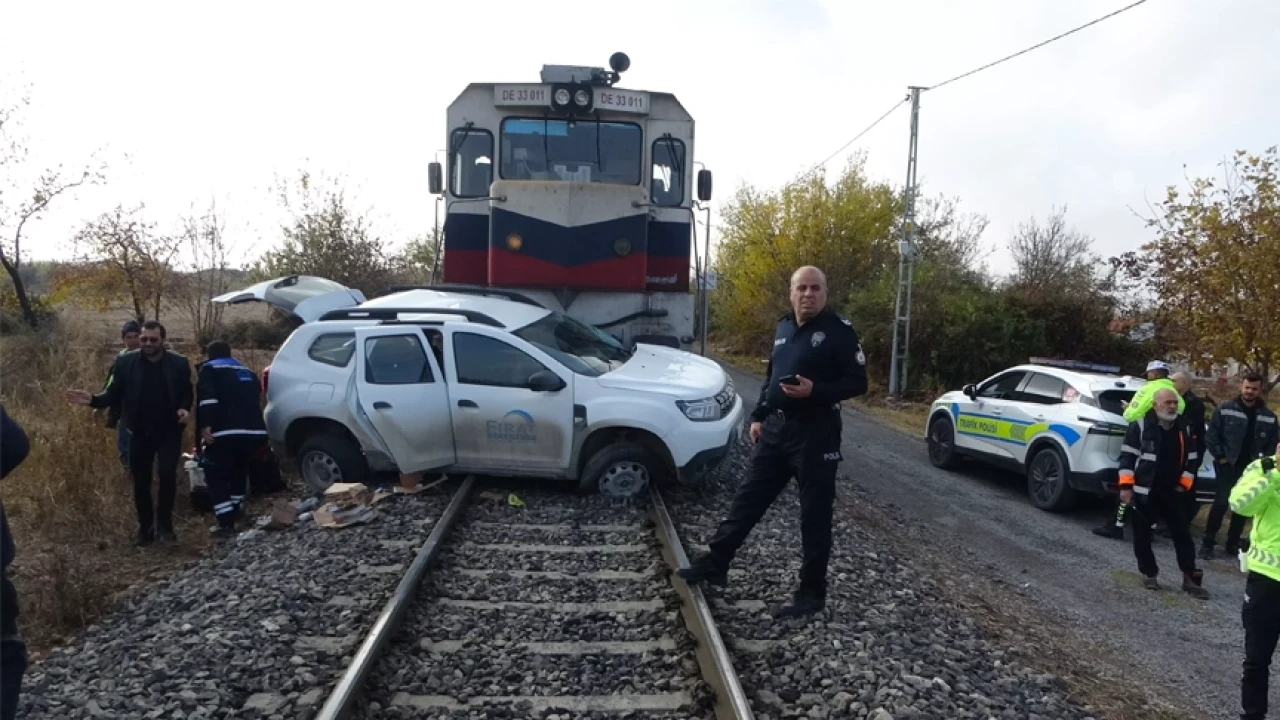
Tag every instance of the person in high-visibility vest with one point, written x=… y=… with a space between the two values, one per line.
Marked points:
x=1257 y=495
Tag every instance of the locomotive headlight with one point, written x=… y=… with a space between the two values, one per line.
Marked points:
x=582 y=98
x=562 y=97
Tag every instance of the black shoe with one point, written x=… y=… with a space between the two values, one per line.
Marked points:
x=704 y=569
x=1231 y=549
x=167 y=535
x=1110 y=530
x=801 y=604
x=1206 y=552
x=145 y=538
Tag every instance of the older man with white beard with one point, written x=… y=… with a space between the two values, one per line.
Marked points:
x=1158 y=463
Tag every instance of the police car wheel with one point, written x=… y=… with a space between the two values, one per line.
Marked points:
x=1047 y=483
x=942 y=443
x=327 y=459
x=620 y=470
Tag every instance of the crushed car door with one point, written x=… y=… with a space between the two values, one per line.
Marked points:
x=402 y=392
x=305 y=297
x=500 y=419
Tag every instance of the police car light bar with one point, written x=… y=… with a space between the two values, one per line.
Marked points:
x=1076 y=365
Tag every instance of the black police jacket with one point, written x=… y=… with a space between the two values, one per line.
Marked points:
x=825 y=350
x=125 y=390
x=1225 y=436
x=228 y=399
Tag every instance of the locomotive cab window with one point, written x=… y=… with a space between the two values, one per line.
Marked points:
x=571 y=151
x=470 y=163
x=666 y=186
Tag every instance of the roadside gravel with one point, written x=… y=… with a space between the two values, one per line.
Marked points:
x=262 y=627
x=888 y=645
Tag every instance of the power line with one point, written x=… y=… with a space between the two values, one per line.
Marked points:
x=855 y=139
x=1039 y=45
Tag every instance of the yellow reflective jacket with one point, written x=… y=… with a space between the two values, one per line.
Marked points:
x=1145 y=399
x=1255 y=496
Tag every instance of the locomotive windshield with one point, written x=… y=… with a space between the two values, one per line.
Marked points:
x=571 y=151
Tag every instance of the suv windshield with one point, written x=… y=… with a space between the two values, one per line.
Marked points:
x=582 y=348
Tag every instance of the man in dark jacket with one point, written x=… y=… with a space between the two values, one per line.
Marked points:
x=14 y=447
x=229 y=417
x=1241 y=431
x=129 y=336
x=1157 y=463
x=152 y=388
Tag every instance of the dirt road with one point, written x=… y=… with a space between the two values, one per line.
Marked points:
x=1191 y=647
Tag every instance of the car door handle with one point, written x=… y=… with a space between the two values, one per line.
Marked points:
x=467 y=403
x=382 y=405
x=997 y=411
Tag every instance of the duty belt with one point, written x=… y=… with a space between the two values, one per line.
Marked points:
x=806 y=414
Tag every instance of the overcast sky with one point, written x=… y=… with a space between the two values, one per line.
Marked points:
x=211 y=101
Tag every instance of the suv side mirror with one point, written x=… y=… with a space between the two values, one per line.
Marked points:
x=435 y=178
x=971 y=391
x=704 y=185
x=546 y=381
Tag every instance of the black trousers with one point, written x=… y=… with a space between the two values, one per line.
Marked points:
x=1171 y=506
x=164 y=449
x=1228 y=474
x=1261 y=616
x=13 y=651
x=227 y=463
x=809 y=451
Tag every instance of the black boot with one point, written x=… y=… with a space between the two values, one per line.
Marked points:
x=705 y=569
x=802 y=603
x=166 y=534
x=146 y=536
x=1110 y=530
x=1206 y=551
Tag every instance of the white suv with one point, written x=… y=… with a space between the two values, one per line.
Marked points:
x=480 y=380
x=1059 y=422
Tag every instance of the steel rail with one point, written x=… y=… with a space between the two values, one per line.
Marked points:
x=713 y=655
x=348 y=689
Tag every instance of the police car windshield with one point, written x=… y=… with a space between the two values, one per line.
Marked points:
x=584 y=349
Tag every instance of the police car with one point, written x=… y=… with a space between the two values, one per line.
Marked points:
x=480 y=380
x=1059 y=422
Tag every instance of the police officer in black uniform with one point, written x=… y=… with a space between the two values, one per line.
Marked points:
x=817 y=362
x=229 y=416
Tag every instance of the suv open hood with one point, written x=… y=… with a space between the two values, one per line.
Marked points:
x=654 y=368
x=306 y=297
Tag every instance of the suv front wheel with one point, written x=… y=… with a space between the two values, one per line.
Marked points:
x=621 y=470
x=326 y=459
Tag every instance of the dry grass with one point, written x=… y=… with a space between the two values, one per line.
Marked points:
x=70 y=504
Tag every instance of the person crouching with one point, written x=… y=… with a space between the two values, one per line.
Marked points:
x=1157 y=464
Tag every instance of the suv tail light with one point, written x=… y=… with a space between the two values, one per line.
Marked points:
x=266 y=377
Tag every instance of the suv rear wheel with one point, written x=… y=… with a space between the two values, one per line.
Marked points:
x=621 y=470
x=326 y=459
x=1047 y=481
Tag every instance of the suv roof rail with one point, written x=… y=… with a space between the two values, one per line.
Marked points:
x=383 y=314
x=470 y=290
x=1077 y=365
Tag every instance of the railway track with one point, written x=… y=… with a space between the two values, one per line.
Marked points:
x=563 y=607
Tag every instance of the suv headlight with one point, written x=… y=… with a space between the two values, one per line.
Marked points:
x=704 y=410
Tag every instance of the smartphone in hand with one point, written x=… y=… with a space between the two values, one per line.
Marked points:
x=789 y=380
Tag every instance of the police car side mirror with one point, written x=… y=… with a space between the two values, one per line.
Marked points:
x=546 y=381
x=435 y=178
x=971 y=391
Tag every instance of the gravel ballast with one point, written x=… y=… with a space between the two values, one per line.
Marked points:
x=888 y=644
x=261 y=627
x=534 y=609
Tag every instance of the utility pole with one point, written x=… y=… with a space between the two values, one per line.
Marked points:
x=906 y=261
